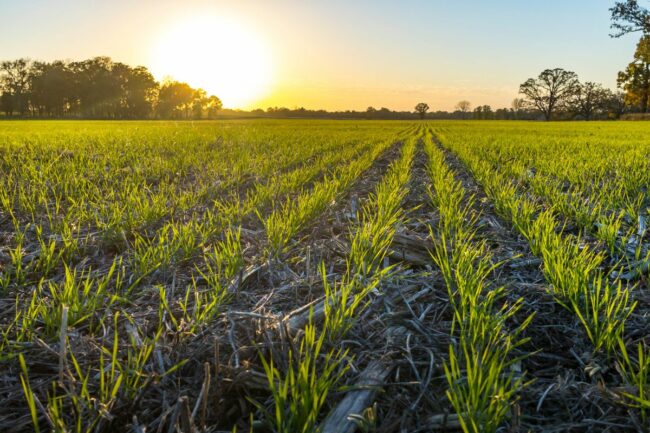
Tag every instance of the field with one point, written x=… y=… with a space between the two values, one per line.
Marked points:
x=332 y=276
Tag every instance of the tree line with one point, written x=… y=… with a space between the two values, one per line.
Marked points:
x=556 y=94
x=383 y=113
x=97 y=88
x=559 y=94
x=100 y=88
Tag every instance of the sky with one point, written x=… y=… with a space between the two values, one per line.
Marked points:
x=336 y=54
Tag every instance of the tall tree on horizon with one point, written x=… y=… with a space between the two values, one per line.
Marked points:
x=551 y=90
x=464 y=107
x=518 y=105
x=422 y=109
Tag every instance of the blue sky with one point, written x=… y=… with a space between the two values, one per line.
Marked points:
x=350 y=54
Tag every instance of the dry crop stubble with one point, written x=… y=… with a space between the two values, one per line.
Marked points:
x=144 y=266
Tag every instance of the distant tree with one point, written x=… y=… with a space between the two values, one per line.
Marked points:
x=483 y=112
x=551 y=90
x=464 y=107
x=588 y=100
x=14 y=76
x=7 y=103
x=278 y=111
x=488 y=114
x=616 y=105
x=518 y=105
x=52 y=89
x=95 y=88
x=383 y=113
x=371 y=112
x=422 y=109
x=629 y=17
x=208 y=105
x=199 y=104
x=175 y=100
x=98 y=87
x=503 y=114
x=635 y=79
x=139 y=92
x=213 y=106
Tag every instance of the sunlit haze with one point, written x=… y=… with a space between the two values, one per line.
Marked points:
x=334 y=55
x=217 y=54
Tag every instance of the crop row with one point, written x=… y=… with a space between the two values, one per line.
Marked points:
x=481 y=374
x=573 y=270
x=105 y=352
x=299 y=391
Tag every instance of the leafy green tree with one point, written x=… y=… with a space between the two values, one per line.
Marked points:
x=52 y=92
x=175 y=100
x=635 y=79
x=139 y=91
x=200 y=103
x=213 y=106
x=98 y=88
x=16 y=82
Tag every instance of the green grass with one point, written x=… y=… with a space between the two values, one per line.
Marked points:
x=122 y=246
x=482 y=385
x=551 y=181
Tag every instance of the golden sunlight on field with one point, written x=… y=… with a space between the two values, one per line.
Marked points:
x=324 y=217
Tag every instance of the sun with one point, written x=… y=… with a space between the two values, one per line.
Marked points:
x=218 y=55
